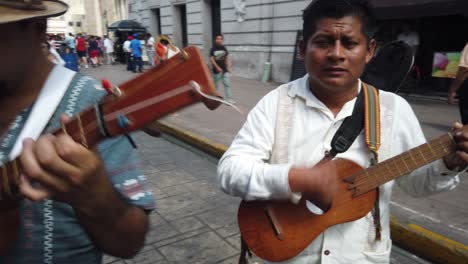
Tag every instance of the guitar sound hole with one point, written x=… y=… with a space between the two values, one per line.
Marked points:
x=313 y=208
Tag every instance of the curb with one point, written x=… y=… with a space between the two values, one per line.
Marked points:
x=416 y=239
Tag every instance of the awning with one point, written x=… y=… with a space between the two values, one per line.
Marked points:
x=397 y=9
x=126 y=25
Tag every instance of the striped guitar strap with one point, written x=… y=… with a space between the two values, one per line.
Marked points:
x=372 y=133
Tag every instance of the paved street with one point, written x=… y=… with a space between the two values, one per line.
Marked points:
x=195 y=222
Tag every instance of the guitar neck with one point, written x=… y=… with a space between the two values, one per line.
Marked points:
x=403 y=164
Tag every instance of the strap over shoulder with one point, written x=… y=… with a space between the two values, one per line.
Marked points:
x=372 y=117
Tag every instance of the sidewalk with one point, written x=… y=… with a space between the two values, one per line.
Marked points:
x=444 y=213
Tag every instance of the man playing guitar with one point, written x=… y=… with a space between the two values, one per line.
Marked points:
x=79 y=202
x=338 y=43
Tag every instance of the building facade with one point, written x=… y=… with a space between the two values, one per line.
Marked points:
x=255 y=31
x=102 y=13
x=88 y=16
x=73 y=21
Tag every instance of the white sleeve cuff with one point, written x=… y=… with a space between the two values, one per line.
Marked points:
x=278 y=183
x=445 y=178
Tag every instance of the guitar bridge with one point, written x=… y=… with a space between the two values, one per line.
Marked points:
x=274 y=222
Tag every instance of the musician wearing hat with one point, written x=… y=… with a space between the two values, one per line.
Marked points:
x=61 y=202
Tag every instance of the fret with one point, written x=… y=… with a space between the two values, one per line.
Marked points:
x=84 y=142
x=412 y=158
x=422 y=154
x=393 y=162
x=16 y=173
x=378 y=176
x=64 y=128
x=406 y=165
x=441 y=144
x=430 y=148
x=387 y=166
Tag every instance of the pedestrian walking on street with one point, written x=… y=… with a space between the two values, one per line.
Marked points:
x=128 y=53
x=221 y=66
x=101 y=48
x=300 y=142
x=135 y=46
x=460 y=86
x=80 y=45
x=70 y=39
x=150 y=49
x=64 y=202
x=109 y=48
x=93 y=51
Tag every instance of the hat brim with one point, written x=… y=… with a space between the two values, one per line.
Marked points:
x=53 y=8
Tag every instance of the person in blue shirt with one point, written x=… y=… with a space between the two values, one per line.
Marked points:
x=136 y=48
x=70 y=39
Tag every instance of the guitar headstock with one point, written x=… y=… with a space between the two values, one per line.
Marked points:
x=160 y=91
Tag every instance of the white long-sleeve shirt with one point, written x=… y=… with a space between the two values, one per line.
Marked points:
x=244 y=170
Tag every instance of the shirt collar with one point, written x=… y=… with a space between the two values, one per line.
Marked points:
x=300 y=88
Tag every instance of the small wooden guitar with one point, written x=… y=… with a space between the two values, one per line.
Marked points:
x=179 y=82
x=278 y=231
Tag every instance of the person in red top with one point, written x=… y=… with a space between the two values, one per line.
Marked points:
x=81 y=50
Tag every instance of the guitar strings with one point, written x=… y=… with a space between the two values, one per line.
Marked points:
x=418 y=159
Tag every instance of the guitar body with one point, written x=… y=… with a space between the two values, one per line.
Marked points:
x=299 y=226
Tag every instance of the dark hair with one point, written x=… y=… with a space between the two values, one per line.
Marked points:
x=219 y=35
x=320 y=9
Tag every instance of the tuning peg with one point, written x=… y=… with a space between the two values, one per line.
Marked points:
x=114 y=90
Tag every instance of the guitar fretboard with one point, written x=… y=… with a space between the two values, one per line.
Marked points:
x=403 y=164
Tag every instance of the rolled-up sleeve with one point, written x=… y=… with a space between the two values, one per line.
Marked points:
x=244 y=170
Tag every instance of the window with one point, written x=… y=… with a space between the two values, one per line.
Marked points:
x=78 y=24
x=70 y=24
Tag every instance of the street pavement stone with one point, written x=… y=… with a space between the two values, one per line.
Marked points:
x=196 y=223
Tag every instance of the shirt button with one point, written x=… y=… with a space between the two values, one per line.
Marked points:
x=326 y=252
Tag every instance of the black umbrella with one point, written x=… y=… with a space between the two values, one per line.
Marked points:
x=126 y=25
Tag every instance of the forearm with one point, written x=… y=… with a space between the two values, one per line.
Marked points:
x=116 y=227
x=253 y=180
x=462 y=75
x=213 y=62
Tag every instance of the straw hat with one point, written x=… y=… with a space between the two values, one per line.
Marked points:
x=16 y=10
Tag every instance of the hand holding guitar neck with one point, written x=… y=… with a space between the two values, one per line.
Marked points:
x=459 y=159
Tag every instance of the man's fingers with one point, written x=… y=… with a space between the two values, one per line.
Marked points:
x=64 y=118
x=33 y=169
x=32 y=193
x=76 y=154
x=70 y=151
x=456 y=126
x=463 y=156
x=50 y=161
